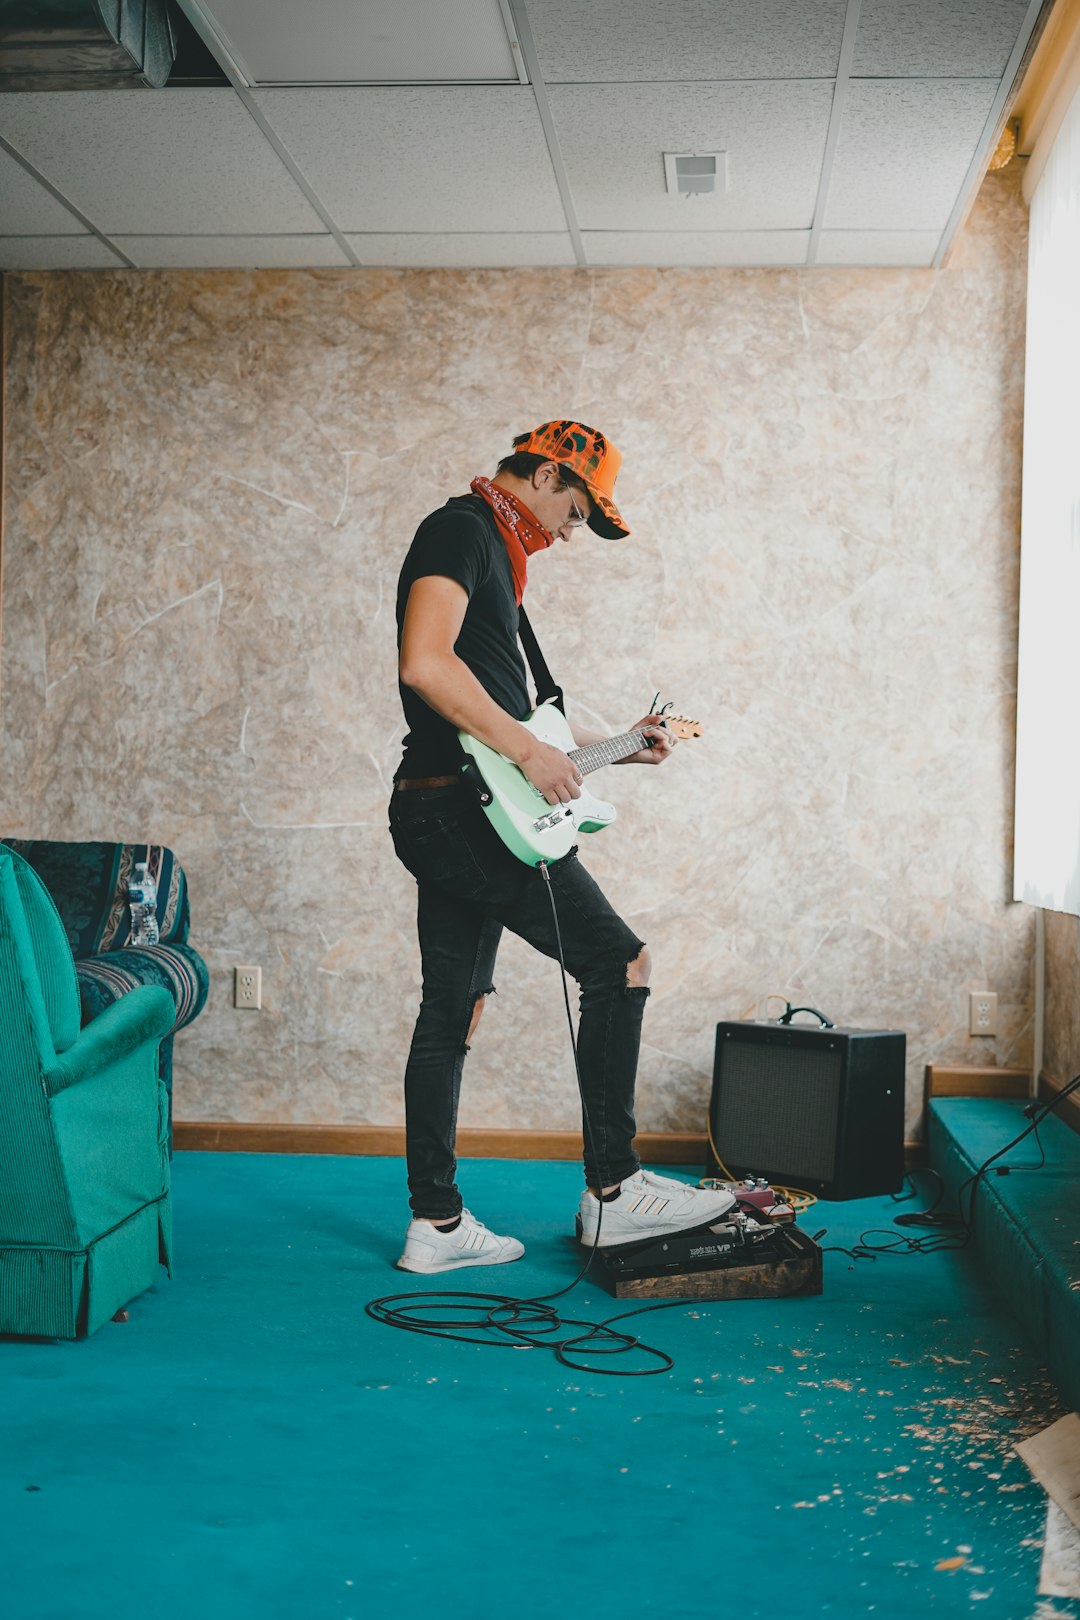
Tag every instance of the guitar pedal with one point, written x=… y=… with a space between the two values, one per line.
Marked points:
x=755 y=1197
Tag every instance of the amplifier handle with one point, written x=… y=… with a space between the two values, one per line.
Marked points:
x=789 y=1012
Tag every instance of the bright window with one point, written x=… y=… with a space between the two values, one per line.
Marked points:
x=1047 y=859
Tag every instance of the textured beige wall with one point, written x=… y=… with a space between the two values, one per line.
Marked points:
x=211 y=482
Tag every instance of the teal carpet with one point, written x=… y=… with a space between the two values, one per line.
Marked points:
x=250 y=1444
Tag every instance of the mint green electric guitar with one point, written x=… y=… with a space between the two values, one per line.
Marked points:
x=532 y=829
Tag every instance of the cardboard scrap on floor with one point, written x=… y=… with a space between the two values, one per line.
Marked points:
x=1059 y=1575
x=1053 y=1456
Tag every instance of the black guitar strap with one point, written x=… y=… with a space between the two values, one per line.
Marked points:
x=545 y=686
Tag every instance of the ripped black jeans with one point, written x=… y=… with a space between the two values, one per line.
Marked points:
x=470 y=889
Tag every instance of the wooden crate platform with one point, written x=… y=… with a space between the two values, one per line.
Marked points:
x=763 y=1278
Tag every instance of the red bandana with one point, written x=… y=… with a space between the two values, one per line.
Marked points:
x=522 y=531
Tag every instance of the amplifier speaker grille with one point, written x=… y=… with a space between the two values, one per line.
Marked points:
x=798 y=1127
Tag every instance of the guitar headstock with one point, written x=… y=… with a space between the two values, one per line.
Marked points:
x=681 y=727
x=677 y=724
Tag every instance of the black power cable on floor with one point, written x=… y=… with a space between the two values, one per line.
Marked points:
x=519 y=1323
x=951 y=1229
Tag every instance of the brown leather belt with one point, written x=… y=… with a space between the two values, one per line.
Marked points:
x=407 y=786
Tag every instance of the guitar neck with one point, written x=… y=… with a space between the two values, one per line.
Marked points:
x=608 y=752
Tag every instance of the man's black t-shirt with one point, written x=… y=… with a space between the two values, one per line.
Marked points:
x=462 y=542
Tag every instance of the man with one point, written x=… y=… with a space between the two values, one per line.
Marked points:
x=460 y=668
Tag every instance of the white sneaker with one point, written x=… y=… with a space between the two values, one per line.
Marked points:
x=431 y=1248
x=648 y=1206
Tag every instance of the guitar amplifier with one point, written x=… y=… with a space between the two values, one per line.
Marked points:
x=819 y=1109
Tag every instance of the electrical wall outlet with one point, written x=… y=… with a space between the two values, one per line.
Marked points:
x=982 y=1012
x=247 y=988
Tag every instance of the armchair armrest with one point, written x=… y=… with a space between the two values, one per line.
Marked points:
x=144 y=1014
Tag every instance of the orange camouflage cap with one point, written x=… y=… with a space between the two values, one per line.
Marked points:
x=595 y=460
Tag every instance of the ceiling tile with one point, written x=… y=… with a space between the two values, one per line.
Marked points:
x=56 y=253
x=463 y=250
x=422 y=159
x=936 y=39
x=231 y=252
x=146 y=161
x=904 y=150
x=27 y=208
x=643 y=40
x=335 y=41
x=696 y=247
x=613 y=141
x=877 y=247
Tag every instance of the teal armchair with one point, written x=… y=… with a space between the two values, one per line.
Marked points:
x=84 y=1168
x=88 y=883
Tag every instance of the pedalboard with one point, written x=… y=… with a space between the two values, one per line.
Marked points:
x=754 y=1251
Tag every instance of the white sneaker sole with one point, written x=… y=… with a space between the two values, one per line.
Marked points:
x=641 y=1233
x=429 y=1268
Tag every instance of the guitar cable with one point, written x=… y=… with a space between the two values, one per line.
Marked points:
x=530 y=1322
x=799 y=1200
x=952 y=1229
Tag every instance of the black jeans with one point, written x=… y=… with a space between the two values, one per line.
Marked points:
x=470 y=889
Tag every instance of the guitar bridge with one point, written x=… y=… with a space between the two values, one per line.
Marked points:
x=552 y=820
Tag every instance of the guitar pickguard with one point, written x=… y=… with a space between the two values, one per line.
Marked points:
x=531 y=829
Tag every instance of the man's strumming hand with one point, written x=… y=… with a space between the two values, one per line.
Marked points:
x=550 y=771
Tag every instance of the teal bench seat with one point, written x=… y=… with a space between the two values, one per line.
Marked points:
x=1026 y=1227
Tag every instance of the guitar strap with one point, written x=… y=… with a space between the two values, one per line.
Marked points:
x=545 y=687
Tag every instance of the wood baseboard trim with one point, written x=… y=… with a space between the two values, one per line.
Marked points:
x=233 y=1136
x=1049 y=1087
x=975 y=1080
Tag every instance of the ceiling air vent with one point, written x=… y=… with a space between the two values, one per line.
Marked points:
x=87 y=44
x=696 y=174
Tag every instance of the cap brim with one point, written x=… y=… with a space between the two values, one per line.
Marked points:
x=604 y=519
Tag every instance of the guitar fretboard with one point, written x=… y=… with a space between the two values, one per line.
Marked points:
x=609 y=751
